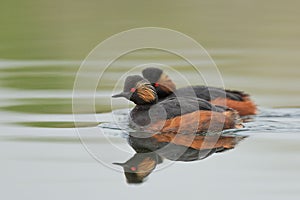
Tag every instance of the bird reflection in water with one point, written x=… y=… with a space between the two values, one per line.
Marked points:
x=151 y=150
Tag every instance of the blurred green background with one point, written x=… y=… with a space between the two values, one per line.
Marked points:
x=69 y=29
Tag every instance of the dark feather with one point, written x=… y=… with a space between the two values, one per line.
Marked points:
x=169 y=108
x=208 y=93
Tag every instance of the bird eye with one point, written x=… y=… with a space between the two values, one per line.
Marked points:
x=133 y=168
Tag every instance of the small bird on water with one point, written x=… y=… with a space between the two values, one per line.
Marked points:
x=174 y=114
x=166 y=88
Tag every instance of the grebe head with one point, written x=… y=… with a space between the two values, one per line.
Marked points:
x=138 y=90
x=163 y=84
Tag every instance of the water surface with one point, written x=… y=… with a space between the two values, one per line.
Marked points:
x=254 y=44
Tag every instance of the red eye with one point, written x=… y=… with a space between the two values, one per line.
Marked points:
x=156 y=84
x=133 y=168
x=132 y=90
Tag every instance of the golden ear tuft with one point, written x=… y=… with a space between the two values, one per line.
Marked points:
x=146 y=92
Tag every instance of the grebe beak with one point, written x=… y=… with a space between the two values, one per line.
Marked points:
x=120 y=164
x=127 y=95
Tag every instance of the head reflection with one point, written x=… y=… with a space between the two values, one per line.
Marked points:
x=137 y=168
x=151 y=150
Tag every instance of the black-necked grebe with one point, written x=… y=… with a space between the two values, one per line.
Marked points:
x=166 y=88
x=175 y=114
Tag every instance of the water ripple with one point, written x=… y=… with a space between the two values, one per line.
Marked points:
x=283 y=120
